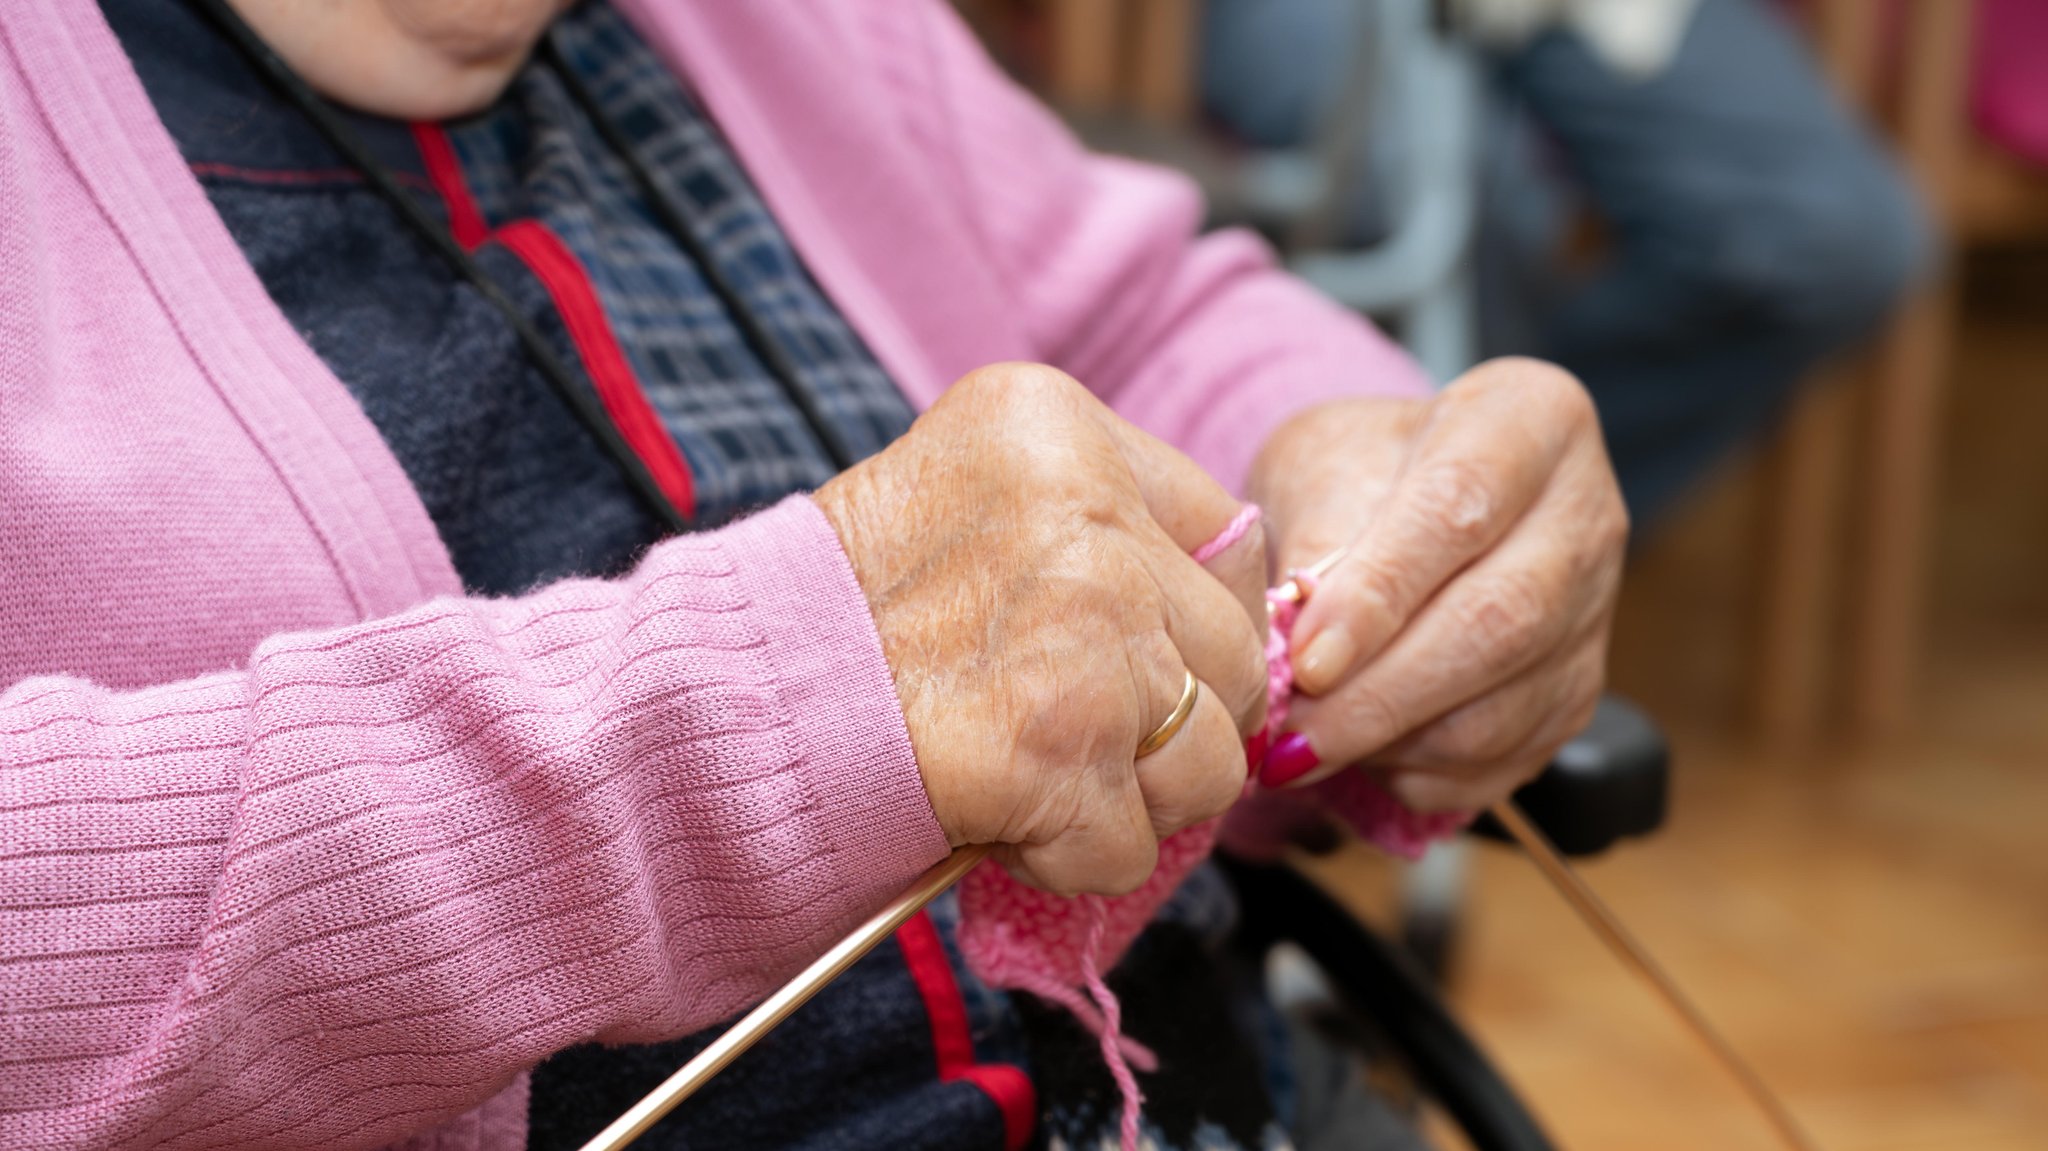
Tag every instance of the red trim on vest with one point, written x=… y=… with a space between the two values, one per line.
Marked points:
x=925 y=955
x=465 y=221
x=575 y=298
x=1014 y=1096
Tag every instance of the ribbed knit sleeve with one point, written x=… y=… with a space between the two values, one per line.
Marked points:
x=1200 y=340
x=356 y=888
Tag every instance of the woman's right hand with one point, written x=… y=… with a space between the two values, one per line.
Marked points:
x=1025 y=554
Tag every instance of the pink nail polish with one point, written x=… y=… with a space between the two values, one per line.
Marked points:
x=1291 y=758
x=1255 y=749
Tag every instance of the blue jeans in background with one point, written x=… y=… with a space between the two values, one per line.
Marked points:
x=1754 y=225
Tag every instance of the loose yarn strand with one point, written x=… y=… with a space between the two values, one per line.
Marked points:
x=1084 y=1011
x=1112 y=1023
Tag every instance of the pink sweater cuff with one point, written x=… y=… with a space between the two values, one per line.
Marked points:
x=855 y=755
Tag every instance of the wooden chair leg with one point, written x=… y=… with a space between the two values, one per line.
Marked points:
x=1804 y=474
x=1901 y=472
x=1086 y=53
x=1163 y=75
x=1901 y=461
x=1803 y=489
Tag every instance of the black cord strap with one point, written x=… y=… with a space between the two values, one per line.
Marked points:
x=337 y=132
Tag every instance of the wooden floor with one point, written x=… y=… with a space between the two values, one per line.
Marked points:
x=1871 y=927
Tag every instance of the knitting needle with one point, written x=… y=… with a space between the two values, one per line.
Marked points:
x=792 y=995
x=1604 y=923
x=1608 y=927
x=1295 y=589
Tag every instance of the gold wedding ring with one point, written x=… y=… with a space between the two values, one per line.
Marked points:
x=1174 y=722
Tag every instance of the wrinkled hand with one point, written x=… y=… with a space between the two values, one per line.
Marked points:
x=1463 y=637
x=1025 y=554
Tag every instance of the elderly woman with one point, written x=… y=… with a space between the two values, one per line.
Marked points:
x=363 y=745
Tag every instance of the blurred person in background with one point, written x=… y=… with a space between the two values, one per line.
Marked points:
x=1753 y=226
x=375 y=767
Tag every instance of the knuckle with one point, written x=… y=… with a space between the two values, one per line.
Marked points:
x=1363 y=589
x=1011 y=415
x=1043 y=472
x=1019 y=381
x=1505 y=620
x=1567 y=396
x=1471 y=734
x=1548 y=384
x=1368 y=721
x=1454 y=502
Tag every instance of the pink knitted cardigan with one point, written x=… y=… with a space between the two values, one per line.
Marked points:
x=299 y=846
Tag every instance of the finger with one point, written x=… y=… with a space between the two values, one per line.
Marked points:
x=1198 y=774
x=1479 y=463
x=1184 y=500
x=1431 y=792
x=1552 y=701
x=1212 y=637
x=1472 y=787
x=1527 y=600
x=1336 y=486
x=1108 y=848
x=1193 y=509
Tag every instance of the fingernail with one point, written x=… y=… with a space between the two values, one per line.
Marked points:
x=1255 y=749
x=1291 y=758
x=1325 y=660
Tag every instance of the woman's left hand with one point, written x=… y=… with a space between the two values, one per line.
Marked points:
x=1463 y=637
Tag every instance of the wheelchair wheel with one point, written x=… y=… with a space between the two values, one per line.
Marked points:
x=1380 y=983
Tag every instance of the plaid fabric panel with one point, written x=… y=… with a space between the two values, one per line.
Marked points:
x=534 y=155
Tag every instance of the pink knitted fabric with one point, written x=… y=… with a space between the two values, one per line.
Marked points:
x=1016 y=936
x=1353 y=796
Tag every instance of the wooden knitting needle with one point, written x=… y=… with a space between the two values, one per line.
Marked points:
x=1606 y=925
x=1633 y=954
x=1296 y=590
x=792 y=995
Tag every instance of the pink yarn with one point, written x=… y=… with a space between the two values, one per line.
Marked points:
x=1353 y=796
x=1235 y=530
x=1280 y=616
x=1054 y=947
x=1112 y=1023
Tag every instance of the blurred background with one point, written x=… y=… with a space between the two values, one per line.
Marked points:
x=1799 y=252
